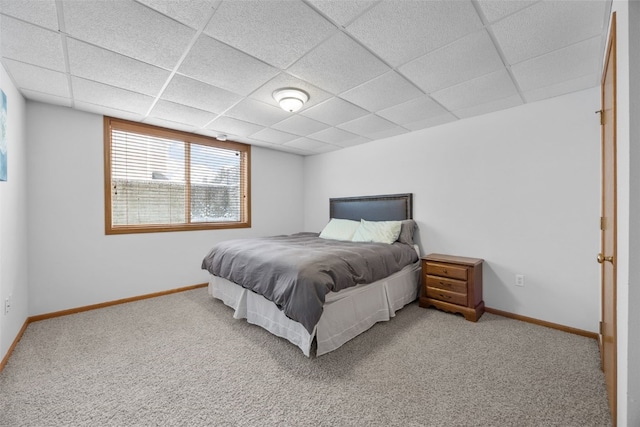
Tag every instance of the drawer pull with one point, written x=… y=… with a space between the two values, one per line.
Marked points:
x=444 y=270
x=445 y=296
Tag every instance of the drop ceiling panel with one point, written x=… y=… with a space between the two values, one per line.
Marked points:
x=370 y=126
x=413 y=111
x=159 y=40
x=353 y=142
x=101 y=65
x=193 y=93
x=181 y=113
x=338 y=64
x=415 y=64
x=401 y=31
x=387 y=133
x=47 y=98
x=497 y=9
x=193 y=13
x=231 y=126
x=335 y=136
x=327 y=148
x=170 y=124
x=106 y=111
x=42 y=12
x=431 y=121
x=257 y=112
x=470 y=57
x=210 y=61
x=39 y=79
x=277 y=32
x=310 y=145
x=284 y=80
x=564 y=64
x=489 y=107
x=109 y=96
x=382 y=92
x=340 y=11
x=547 y=26
x=28 y=43
x=335 y=111
x=300 y=125
x=487 y=88
x=274 y=136
x=580 y=83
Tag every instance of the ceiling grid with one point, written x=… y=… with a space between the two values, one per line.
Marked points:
x=372 y=68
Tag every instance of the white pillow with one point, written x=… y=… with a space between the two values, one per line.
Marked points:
x=339 y=229
x=377 y=231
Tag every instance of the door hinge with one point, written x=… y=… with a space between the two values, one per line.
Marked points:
x=601 y=328
x=601 y=116
x=602 y=223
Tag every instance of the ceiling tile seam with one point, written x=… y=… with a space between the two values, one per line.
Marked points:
x=180 y=60
x=248 y=96
x=113 y=87
x=65 y=49
x=214 y=7
x=435 y=101
x=502 y=18
x=316 y=46
x=42 y=93
x=13 y=80
x=8 y=58
x=329 y=36
x=364 y=12
x=498 y=48
x=281 y=71
x=600 y=36
x=323 y=142
x=28 y=22
x=352 y=37
x=483 y=103
x=561 y=82
x=102 y=106
x=69 y=36
x=444 y=46
x=374 y=54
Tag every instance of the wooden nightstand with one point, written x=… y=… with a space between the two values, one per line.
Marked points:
x=453 y=284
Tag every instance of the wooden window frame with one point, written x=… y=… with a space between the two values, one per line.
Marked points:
x=189 y=138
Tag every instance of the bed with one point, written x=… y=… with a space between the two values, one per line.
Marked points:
x=346 y=309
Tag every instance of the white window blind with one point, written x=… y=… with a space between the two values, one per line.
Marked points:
x=162 y=180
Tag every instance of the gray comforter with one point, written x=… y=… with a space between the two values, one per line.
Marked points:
x=296 y=272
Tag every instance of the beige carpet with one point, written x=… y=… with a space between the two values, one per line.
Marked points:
x=181 y=360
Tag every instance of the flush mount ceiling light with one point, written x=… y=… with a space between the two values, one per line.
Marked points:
x=290 y=99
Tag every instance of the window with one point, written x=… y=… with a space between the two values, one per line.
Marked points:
x=164 y=180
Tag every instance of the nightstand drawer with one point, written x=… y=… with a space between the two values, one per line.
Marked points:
x=452 y=285
x=447 y=271
x=451 y=297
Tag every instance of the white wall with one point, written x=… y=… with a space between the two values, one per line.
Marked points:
x=13 y=224
x=73 y=263
x=519 y=188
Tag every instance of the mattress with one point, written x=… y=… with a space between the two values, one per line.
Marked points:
x=346 y=313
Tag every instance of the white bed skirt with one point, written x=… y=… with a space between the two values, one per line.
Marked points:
x=346 y=314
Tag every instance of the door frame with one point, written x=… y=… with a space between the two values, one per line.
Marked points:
x=609 y=331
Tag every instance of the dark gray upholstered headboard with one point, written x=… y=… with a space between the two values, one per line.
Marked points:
x=391 y=207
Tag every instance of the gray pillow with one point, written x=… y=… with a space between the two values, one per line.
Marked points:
x=407 y=229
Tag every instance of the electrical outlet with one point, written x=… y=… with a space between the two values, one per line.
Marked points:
x=519 y=280
x=7 y=306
